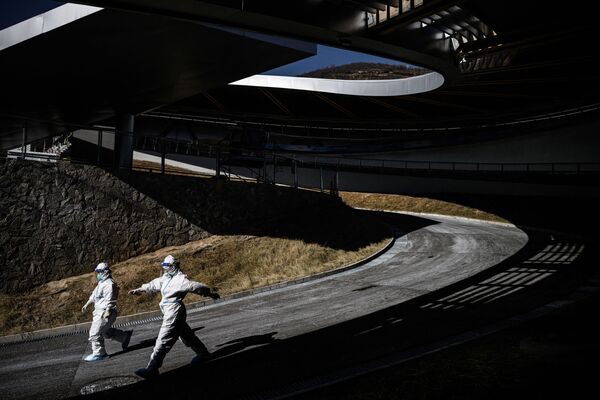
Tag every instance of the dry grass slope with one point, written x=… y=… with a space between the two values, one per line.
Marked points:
x=394 y=202
x=323 y=241
x=229 y=263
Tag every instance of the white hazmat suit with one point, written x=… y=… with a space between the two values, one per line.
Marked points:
x=104 y=297
x=173 y=286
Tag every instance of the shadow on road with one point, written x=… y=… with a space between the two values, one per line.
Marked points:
x=548 y=266
x=144 y=344
x=233 y=346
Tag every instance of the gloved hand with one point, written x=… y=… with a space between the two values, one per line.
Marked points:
x=106 y=313
x=213 y=295
x=85 y=306
x=136 y=292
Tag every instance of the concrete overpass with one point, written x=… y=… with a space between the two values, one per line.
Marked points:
x=498 y=64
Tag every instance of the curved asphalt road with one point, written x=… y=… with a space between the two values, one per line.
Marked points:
x=279 y=336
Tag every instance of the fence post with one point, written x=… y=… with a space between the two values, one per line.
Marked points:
x=321 y=175
x=295 y=174
x=162 y=157
x=218 y=162
x=337 y=182
x=274 y=168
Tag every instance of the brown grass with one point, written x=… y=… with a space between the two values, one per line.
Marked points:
x=149 y=166
x=394 y=202
x=228 y=263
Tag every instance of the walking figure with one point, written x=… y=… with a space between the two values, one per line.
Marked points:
x=173 y=285
x=104 y=297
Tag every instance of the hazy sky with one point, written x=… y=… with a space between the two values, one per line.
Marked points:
x=327 y=56
x=13 y=11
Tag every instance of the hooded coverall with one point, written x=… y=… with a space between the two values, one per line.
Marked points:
x=173 y=289
x=104 y=297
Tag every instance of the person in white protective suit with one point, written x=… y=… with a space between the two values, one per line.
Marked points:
x=104 y=297
x=173 y=285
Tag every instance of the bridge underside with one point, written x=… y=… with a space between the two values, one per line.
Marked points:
x=113 y=62
x=169 y=65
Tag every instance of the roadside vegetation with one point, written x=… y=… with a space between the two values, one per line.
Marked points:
x=299 y=246
x=228 y=263
x=366 y=71
x=395 y=202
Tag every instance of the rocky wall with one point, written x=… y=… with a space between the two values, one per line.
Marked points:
x=60 y=220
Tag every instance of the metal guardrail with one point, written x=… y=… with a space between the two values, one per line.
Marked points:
x=239 y=156
x=32 y=156
x=232 y=156
x=340 y=163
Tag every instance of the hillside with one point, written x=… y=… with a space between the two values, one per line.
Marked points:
x=248 y=235
x=60 y=220
x=365 y=71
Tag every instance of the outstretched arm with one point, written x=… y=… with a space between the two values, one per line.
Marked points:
x=201 y=289
x=150 y=287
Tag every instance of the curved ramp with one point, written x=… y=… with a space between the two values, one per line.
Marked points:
x=284 y=325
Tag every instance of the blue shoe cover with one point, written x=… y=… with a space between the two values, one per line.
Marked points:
x=96 y=357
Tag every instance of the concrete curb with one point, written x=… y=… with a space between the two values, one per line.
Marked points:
x=150 y=316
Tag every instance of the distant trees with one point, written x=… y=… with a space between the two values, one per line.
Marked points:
x=366 y=71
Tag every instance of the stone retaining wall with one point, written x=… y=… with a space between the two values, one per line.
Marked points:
x=59 y=220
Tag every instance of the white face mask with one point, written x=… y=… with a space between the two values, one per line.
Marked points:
x=100 y=276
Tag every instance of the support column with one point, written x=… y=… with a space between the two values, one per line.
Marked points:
x=321 y=176
x=99 y=155
x=295 y=174
x=218 y=163
x=124 y=141
x=24 y=142
x=163 y=154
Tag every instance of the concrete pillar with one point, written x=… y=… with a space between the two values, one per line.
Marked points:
x=218 y=163
x=295 y=168
x=99 y=154
x=124 y=141
x=24 y=142
x=321 y=176
x=163 y=154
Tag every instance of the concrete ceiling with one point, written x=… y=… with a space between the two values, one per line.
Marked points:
x=114 y=62
x=540 y=60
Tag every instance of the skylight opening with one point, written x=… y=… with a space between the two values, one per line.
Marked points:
x=341 y=71
x=335 y=63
